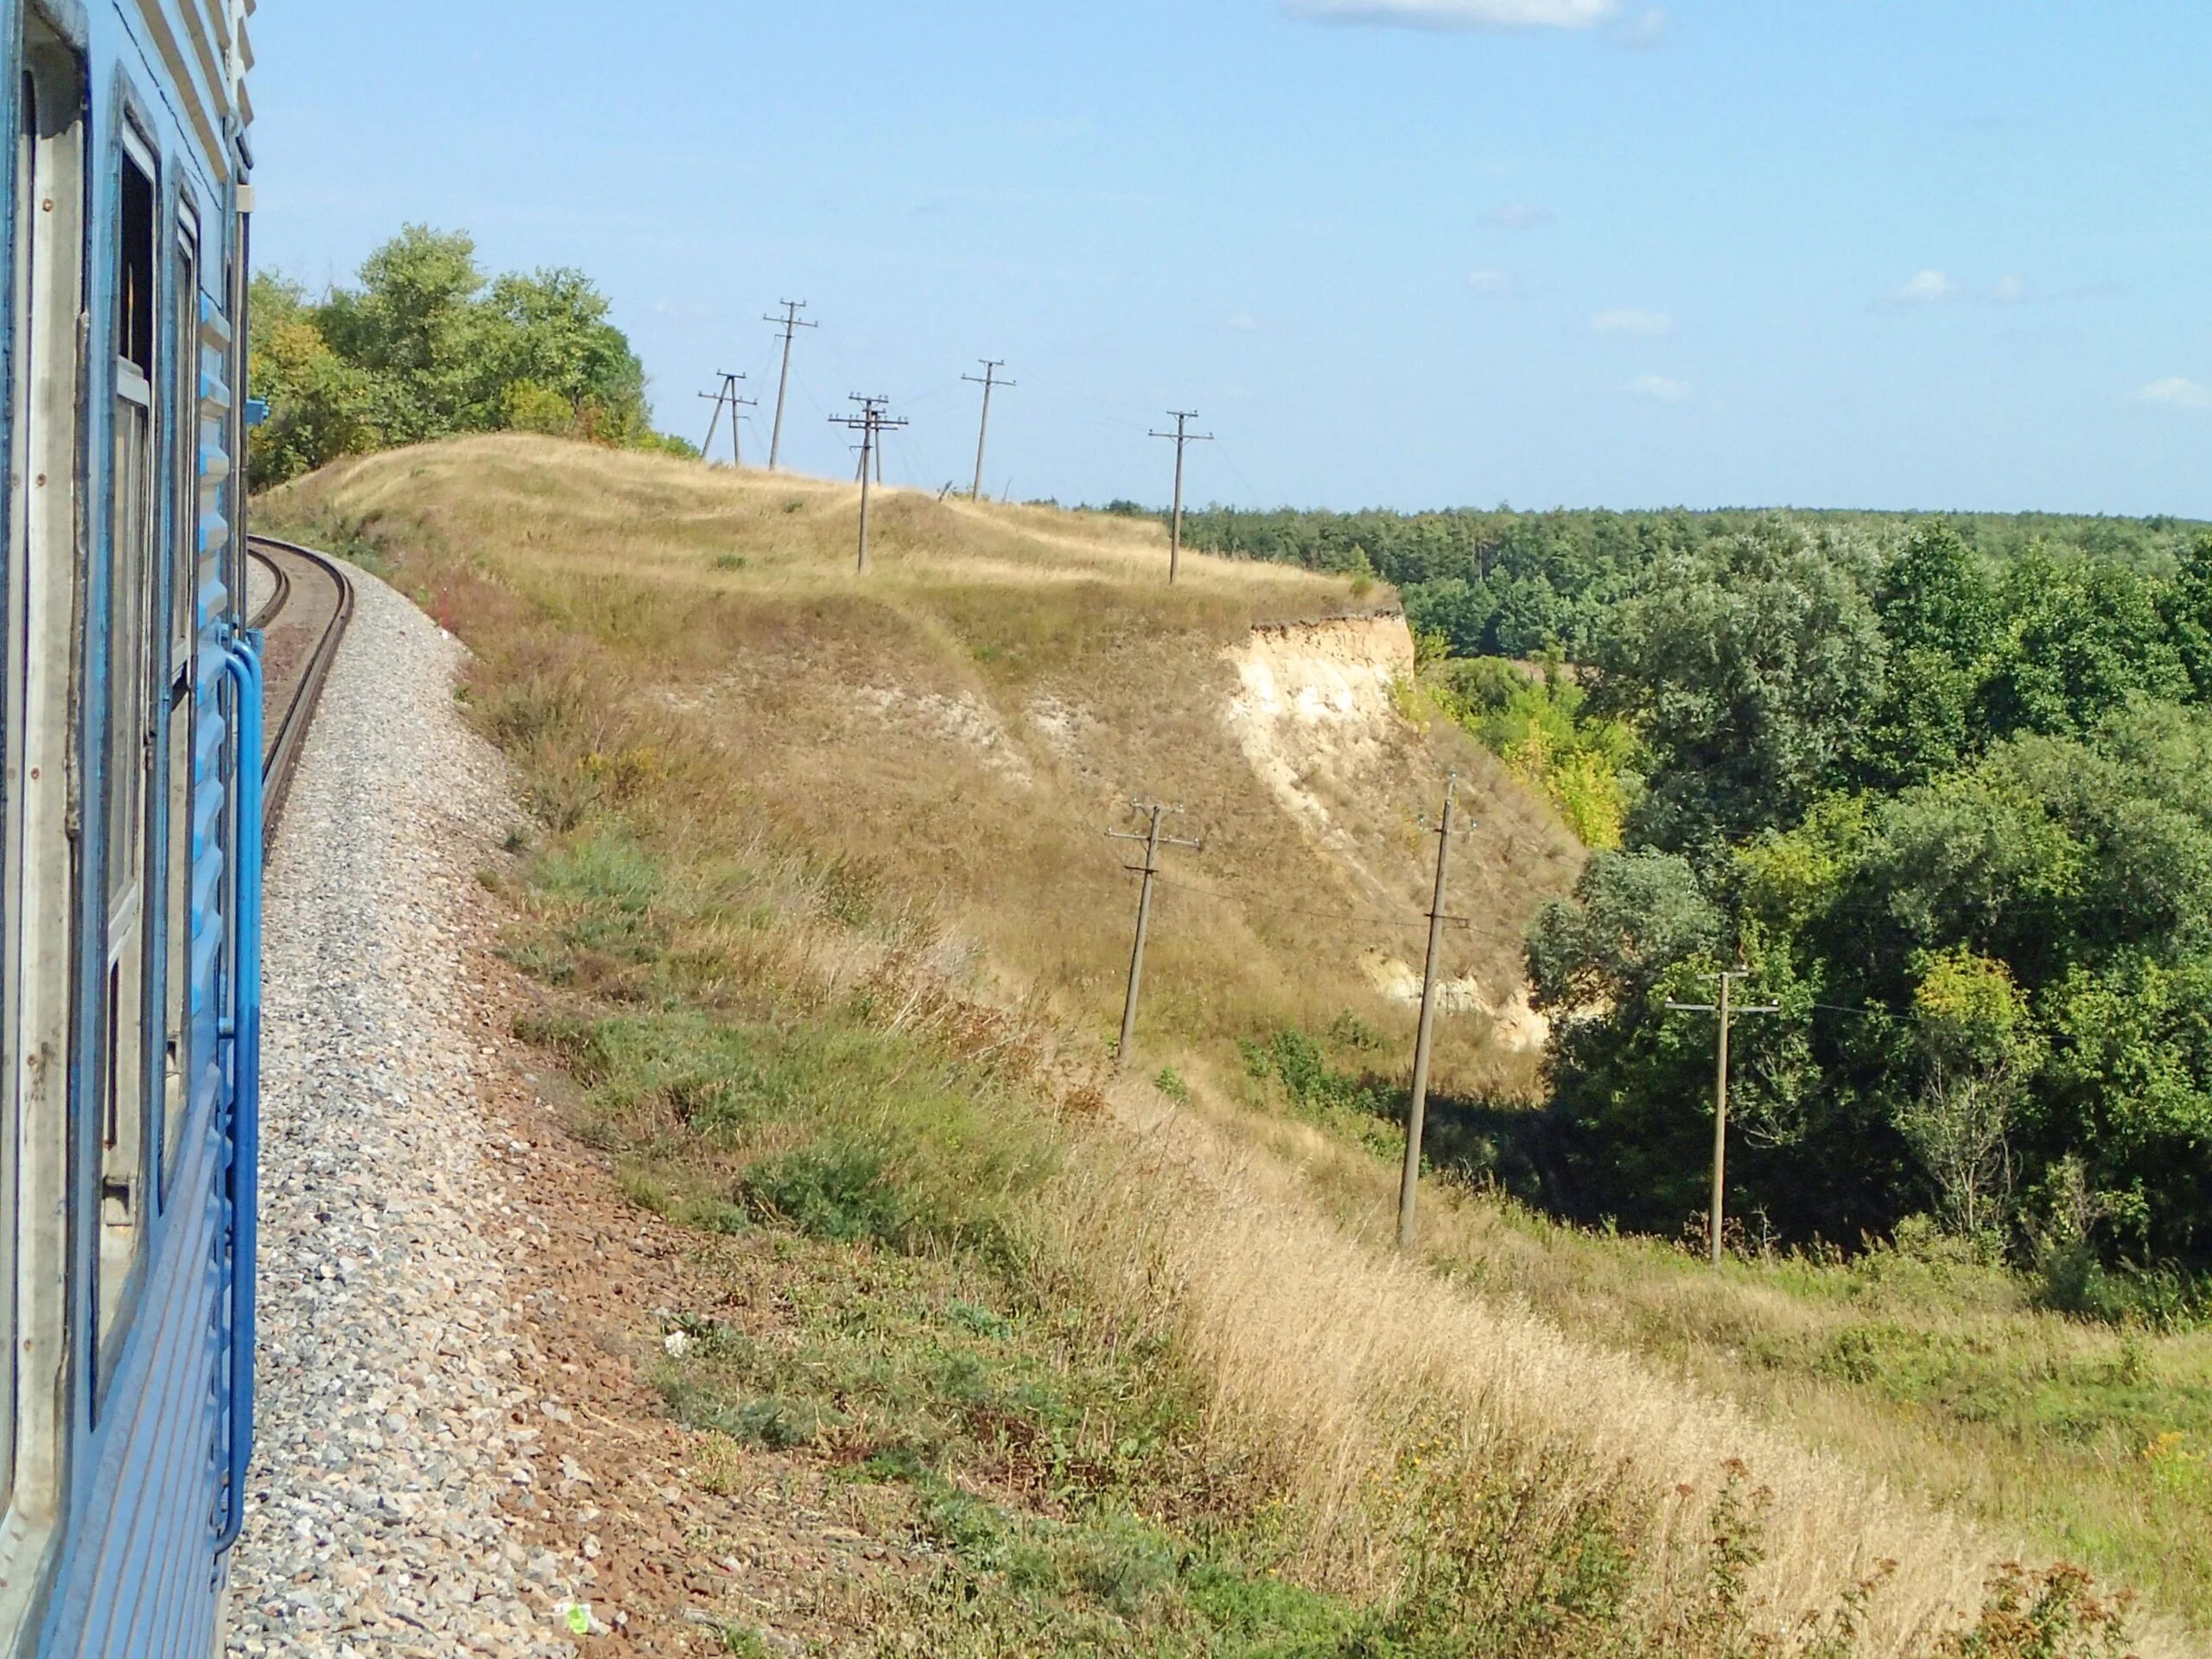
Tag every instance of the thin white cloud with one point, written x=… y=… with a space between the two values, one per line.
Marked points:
x=1647 y=32
x=2009 y=290
x=1493 y=284
x=1243 y=323
x=1629 y=319
x=2177 y=391
x=1660 y=386
x=1450 y=15
x=1520 y=216
x=1926 y=288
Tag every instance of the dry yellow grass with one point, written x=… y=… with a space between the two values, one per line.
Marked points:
x=961 y=727
x=1346 y=1369
x=728 y=702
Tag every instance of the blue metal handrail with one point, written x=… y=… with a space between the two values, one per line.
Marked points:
x=242 y=664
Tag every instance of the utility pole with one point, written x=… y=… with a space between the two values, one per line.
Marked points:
x=1727 y=1013
x=791 y=325
x=860 y=472
x=871 y=424
x=1183 y=436
x=727 y=395
x=1154 y=841
x=991 y=366
x=717 y=398
x=1417 y=1100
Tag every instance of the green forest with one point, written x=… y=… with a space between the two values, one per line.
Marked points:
x=1943 y=784
x=425 y=347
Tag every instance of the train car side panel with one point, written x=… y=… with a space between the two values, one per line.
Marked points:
x=126 y=1558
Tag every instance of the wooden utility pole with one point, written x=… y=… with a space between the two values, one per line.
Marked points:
x=1154 y=841
x=1727 y=1013
x=727 y=395
x=871 y=424
x=1183 y=436
x=1417 y=1100
x=791 y=325
x=986 y=380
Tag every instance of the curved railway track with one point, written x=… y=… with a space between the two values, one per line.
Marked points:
x=309 y=601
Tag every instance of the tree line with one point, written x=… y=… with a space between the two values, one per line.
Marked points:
x=1945 y=786
x=424 y=345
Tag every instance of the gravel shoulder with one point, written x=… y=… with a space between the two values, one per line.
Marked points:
x=398 y=1440
x=459 y=1433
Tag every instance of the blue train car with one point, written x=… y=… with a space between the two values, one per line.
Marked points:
x=129 y=815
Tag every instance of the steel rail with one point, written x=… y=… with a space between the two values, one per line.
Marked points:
x=291 y=728
x=262 y=618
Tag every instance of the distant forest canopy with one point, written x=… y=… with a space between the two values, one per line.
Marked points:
x=425 y=347
x=1533 y=580
x=1944 y=786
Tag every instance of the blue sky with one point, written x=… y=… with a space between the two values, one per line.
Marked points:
x=1925 y=253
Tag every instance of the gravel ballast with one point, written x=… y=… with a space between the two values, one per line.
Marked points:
x=398 y=1442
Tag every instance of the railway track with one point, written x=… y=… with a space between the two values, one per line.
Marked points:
x=302 y=619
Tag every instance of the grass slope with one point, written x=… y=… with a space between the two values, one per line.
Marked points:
x=959 y=729
x=1134 y=1364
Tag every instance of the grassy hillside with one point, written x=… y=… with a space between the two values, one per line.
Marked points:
x=823 y=927
x=962 y=728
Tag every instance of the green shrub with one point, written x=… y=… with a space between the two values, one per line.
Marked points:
x=528 y=407
x=833 y=1190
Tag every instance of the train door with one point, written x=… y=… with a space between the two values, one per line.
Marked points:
x=39 y=879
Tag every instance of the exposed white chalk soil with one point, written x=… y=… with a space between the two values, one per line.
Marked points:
x=392 y=1421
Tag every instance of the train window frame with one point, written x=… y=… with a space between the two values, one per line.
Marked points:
x=43 y=885
x=133 y=626
x=179 y=712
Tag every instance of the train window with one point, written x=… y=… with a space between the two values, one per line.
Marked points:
x=10 y=793
x=177 y=692
x=40 y=892
x=134 y=633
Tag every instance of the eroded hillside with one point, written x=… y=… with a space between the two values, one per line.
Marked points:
x=960 y=727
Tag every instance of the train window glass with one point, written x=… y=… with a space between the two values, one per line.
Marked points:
x=133 y=632
x=177 y=682
x=40 y=891
x=183 y=594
